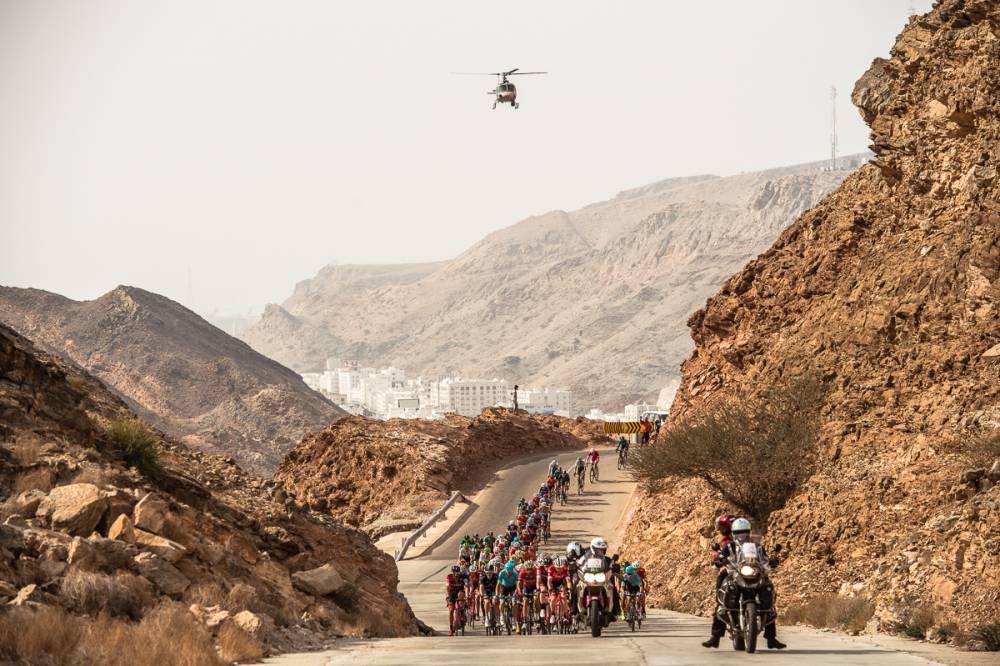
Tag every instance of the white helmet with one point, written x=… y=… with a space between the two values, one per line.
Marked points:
x=599 y=546
x=741 y=529
x=574 y=550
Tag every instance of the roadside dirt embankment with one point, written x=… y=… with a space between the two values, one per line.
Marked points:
x=382 y=475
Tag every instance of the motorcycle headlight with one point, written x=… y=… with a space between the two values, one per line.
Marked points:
x=594 y=578
x=747 y=570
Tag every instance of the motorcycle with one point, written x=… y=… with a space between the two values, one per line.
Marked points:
x=739 y=596
x=595 y=595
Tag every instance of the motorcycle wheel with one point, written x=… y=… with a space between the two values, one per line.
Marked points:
x=596 y=622
x=750 y=612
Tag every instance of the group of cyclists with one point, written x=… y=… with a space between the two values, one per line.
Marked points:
x=506 y=580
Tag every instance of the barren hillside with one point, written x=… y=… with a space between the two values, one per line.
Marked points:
x=379 y=474
x=186 y=376
x=889 y=290
x=123 y=546
x=595 y=299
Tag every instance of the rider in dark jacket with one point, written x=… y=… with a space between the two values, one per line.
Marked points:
x=724 y=525
x=741 y=535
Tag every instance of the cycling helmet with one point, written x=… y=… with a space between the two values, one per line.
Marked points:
x=472 y=568
x=456 y=569
x=490 y=568
x=637 y=565
x=629 y=570
x=599 y=546
x=741 y=529
x=560 y=561
x=547 y=560
x=512 y=524
x=573 y=549
x=528 y=564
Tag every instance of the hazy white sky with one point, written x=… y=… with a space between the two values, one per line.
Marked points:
x=246 y=144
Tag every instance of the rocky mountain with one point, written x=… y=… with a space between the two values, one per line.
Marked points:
x=184 y=375
x=389 y=475
x=594 y=299
x=888 y=290
x=121 y=545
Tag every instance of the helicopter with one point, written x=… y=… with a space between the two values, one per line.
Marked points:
x=505 y=92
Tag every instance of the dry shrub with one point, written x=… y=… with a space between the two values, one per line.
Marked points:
x=27 y=450
x=988 y=635
x=978 y=449
x=121 y=595
x=205 y=593
x=46 y=635
x=137 y=444
x=168 y=634
x=831 y=611
x=915 y=622
x=237 y=645
x=37 y=478
x=755 y=451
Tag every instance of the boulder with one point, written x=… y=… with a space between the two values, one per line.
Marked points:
x=27 y=502
x=122 y=529
x=210 y=616
x=971 y=476
x=150 y=513
x=11 y=538
x=75 y=508
x=320 y=581
x=100 y=554
x=256 y=625
x=169 y=550
x=994 y=473
x=120 y=503
x=164 y=575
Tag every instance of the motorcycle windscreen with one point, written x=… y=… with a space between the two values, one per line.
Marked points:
x=749 y=551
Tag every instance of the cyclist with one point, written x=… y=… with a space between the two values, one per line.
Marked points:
x=527 y=585
x=488 y=593
x=574 y=551
x=641 y=571
x=622 y=448
x=507 y=587
x=454 y=594
x=633 y=588
x=593 y=458
x=472 y=589
x=542 y=578
x=558 y=573
x=553 y=466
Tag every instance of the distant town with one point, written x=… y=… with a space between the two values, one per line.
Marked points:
x=387 y=393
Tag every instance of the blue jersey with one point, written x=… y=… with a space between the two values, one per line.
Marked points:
x=507 y=578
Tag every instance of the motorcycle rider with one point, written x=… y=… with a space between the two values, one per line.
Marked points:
x=599 y=550
x=740 y=536
x=574 y=552
x=724 y=524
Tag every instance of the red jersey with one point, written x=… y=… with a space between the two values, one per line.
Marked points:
x=542 y=573
x=527 y=577
x=726 y=539
x=474 y=578
x=594 y=457
x=558 y=574
x=522 y=520
x=454 y=582
x=642 y=573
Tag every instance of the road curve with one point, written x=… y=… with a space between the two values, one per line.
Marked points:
x=665 y=639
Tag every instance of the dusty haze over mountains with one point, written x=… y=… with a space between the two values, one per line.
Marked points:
x=255 y=142
x=595 y=299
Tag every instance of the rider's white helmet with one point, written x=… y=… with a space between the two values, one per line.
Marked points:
x=741 y=529
x=599 y=546
x=573 y=550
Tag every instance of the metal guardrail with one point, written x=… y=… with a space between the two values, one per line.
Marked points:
x=436 y=516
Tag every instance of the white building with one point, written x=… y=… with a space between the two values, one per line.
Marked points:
x=469 y=397
x=633 y=412
x=546 y=401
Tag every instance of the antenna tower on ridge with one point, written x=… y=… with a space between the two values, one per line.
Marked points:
x=833 y=134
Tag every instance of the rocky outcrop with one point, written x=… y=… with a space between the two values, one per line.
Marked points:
x=889 y=291
x=594 y=299
x=81 y=523
x=181 y=373
x=373 y=473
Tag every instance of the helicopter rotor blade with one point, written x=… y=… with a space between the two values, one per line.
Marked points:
x=478 y=73
x=511 y=71
x=521 y=73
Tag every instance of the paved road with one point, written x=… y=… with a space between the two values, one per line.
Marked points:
x=665 y=639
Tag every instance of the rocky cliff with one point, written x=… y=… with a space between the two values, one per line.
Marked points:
x=104 y=515
x=375 y=474
x=594 y=299
x=888 y=290
x=186 y=376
